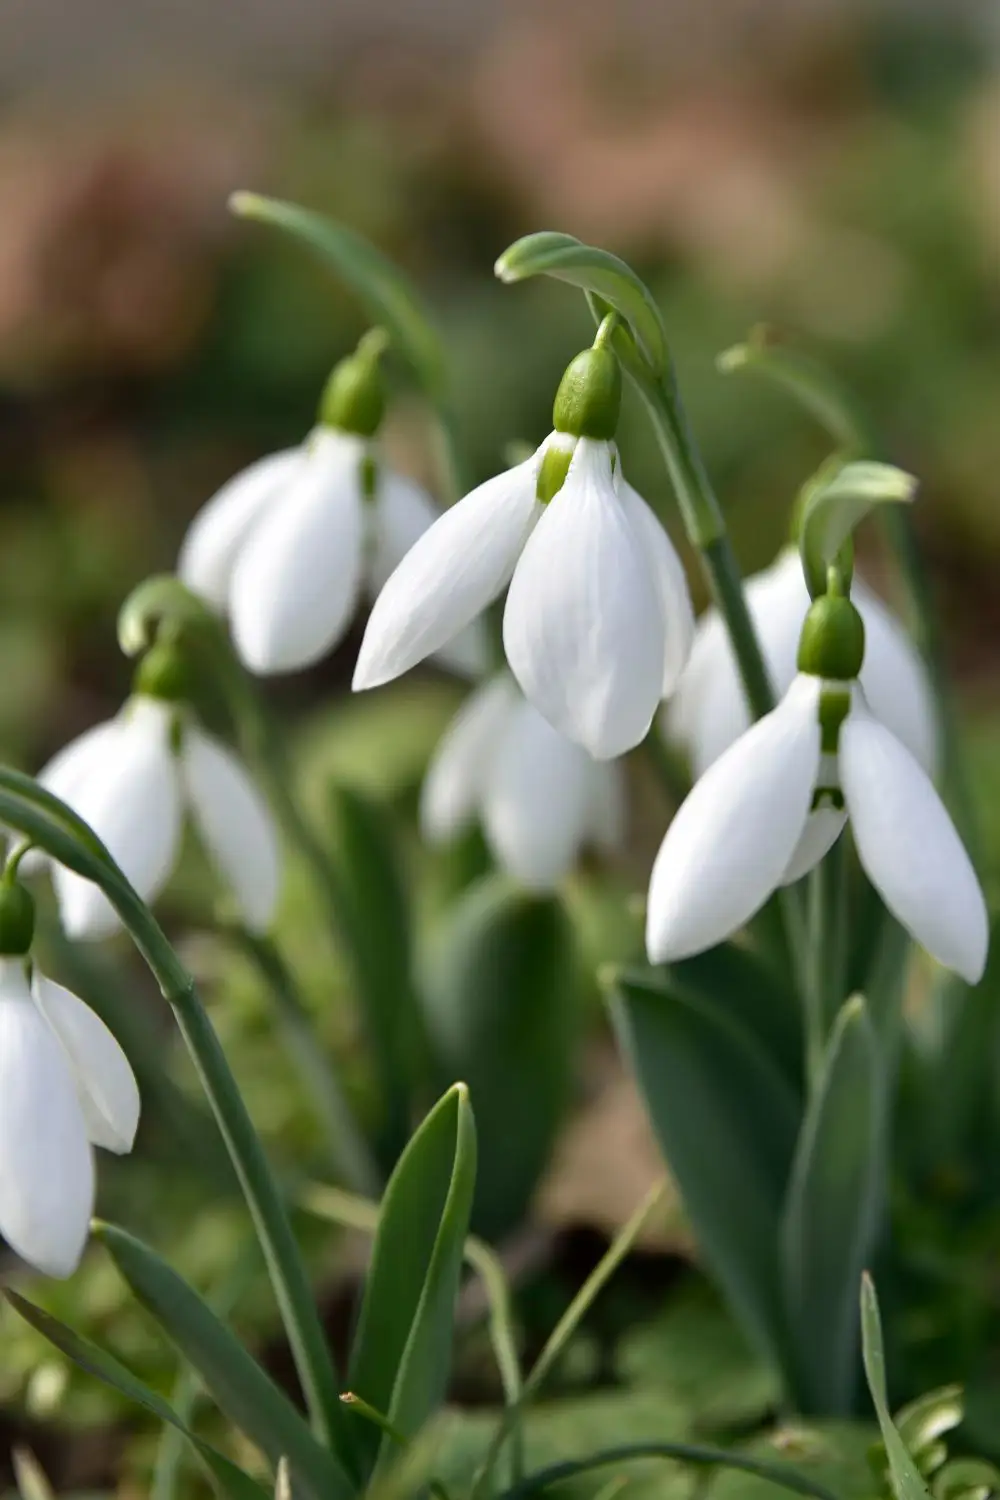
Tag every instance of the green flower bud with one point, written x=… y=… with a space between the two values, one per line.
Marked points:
x=832 y=643
x=163 y=673
x=354 y=397
x=589 y=397
x=17 y=917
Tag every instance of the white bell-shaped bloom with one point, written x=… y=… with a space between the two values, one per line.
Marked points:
x=767 y=810
x=540 y=797
x=131 y=780
x=289 y=546
x=65 y=1086
x=598 y=621
x=709 y=710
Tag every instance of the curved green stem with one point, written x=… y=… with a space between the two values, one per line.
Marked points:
x=689 y=1453
x=348 y=1150
x=56 y=829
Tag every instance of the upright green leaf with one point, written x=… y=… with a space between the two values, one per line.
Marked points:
x=388 y=296
x=598 y=272
x=230 y=1480
x=726 y=1121
x=374 y=927
x=733 y=980
x=832 y=1212
x=242 y=1390
x=906 y=1478
x=402 y=1351
x=503 y=1002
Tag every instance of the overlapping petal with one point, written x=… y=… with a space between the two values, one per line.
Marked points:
x=895 y=681
x=224 y=522
x=297 y=579
x=736 y=832
x=909 y=848
x=457 y=776
x=671 y=583
x=46 y=1165
x=105 y=1083
x=235 y=824
x=583 y=625
x=458 y=567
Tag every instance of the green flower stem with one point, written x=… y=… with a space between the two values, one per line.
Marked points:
x=784 y=1476
x=350 y=1157
x=56 y=829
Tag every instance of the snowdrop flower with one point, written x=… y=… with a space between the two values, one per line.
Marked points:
x=288 y=546
x=132 y=780
x=65 y=1087
x=770 y=807
x=598 y=621
x=709 y=711
x=539 y=796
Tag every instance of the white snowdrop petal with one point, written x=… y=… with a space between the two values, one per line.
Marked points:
x=132 y=802
x=401 y=513
x=105 y=1083
x=297 y=579
x=235 y=823
x=46 y=1164
x=823 y=828
x=734 y=835
x=909 y=848
x=895 y=681
x=68 y=769
x=453 y=786
x=537 y=800
x=607 y=821
x=671 y=584
x=582 y=628
x=458 y=567
x=220 y=528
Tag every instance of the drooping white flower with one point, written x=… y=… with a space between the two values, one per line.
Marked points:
x=540 y=797
x=709 y=710
x=65 y=1086
x=289 y=546
x=132 y=779
x=598 y=619
x=772 y=804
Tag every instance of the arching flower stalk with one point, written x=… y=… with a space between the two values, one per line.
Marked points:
x=598 y=621
x=134 y=778
x=771 y=805
x=288 y=547
x=65 y=1087
x=541 y=798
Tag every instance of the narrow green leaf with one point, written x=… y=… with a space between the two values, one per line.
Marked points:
x=837 y=503
x=812 y=385
x=905 y=1476
x=230 y=1480
x=240 y=1388
x=502 y=997
x=782 y=1475
x=374 y=928
x=595 y=271
x=402 y=1351
x=733 y=980
x=726 y=1121
x=387 y=295
x=833 y=1210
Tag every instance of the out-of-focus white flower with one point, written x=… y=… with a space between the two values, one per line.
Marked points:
x=540 y=797
x=772 y=804
x=132 y=779
x=65 y=1086
x=709 y=710
x=289 y=546
x=598 y=620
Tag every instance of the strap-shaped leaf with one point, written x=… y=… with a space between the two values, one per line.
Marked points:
x=402 y=1351
x=733 y=980
x=387 y=295
x=230 y=1481
x=503 y=1000
x=906 y=1478
x=833 y=1210
x=726 y=1121
x=597 y=272
x=241 y=1389
x=374 y=926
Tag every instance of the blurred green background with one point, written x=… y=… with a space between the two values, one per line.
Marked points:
x=827 y=167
